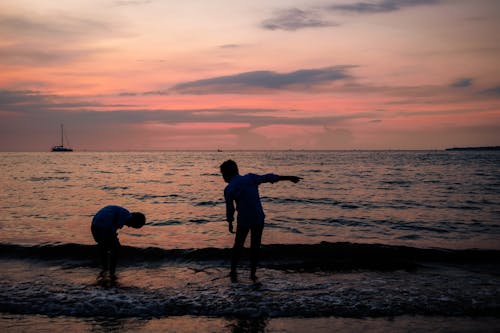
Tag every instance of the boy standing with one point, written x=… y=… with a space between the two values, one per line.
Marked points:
x=244 y=190
x=104 y=227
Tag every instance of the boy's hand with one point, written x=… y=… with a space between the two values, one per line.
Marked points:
x=231 y=228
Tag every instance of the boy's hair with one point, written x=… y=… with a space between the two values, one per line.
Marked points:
x=137 y=220
x=229 y=168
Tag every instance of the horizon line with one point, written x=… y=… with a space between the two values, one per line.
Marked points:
x=244 y=150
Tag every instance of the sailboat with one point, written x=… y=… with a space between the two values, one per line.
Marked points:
x=61 y=147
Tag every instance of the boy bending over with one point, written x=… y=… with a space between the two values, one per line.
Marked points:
x=105 y=225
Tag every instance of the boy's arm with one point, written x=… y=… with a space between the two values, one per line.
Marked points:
x=293 y=179
x=229 y=210
x=273 y=178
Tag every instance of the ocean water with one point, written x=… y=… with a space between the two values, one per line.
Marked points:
x=365 y=234
x=423 y=199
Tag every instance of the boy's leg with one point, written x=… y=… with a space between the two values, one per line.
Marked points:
x=239 y=242
x=255 y=239
x=103 y=254
x=114 y=251
x=113 y=258
x=102 y=248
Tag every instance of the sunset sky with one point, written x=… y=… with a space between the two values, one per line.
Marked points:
x=333 y=74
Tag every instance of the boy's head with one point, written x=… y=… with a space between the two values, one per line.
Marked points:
x=229 y=169
x=136 y=220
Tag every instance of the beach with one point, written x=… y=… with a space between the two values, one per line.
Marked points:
x=186 y=295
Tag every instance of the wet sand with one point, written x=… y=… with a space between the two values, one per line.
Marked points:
x=38 y=323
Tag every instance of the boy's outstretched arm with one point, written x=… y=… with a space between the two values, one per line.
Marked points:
x=293 y=179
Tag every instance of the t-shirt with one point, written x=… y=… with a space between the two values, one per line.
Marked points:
x=111 y=218
x=244 y=190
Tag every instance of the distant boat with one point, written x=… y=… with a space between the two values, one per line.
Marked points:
x=61 y=148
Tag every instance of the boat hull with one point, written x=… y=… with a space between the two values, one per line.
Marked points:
x=61 y=149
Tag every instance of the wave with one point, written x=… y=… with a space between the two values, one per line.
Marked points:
x=292 y=200
x=210 y=203
x=49 y=178
x=167 y=198
x=394 y=204
x=323 y=256
x=114 y=188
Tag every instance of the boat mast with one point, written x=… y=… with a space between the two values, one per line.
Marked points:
x=62 y=136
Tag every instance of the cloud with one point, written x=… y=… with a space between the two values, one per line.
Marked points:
x=35 y=105
x=383 y=6
x=337 y=138
x=29 y=120
x=59 y=27
x=10 y=97
x=34 y=102
x=155 y=93
x=29 y=55
x=132 y=2
x=494 y=91
x=294 y=19
x=32 y=39
x=144 y=93
x=259 y=80
x=230 y=46
x=462 y=83
x=246 y=137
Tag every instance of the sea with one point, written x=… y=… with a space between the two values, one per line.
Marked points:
x=405 y=241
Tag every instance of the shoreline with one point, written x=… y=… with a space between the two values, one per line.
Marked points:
x=163 y=290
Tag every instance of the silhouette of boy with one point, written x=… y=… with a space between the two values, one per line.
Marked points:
x=104 y=227
x=244 y=190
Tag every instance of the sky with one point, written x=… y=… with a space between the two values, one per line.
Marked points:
x=236 y=74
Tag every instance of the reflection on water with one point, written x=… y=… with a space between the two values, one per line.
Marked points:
x=248 y=325
x=188 y=324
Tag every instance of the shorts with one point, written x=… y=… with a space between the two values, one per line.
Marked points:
x=105 y=237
